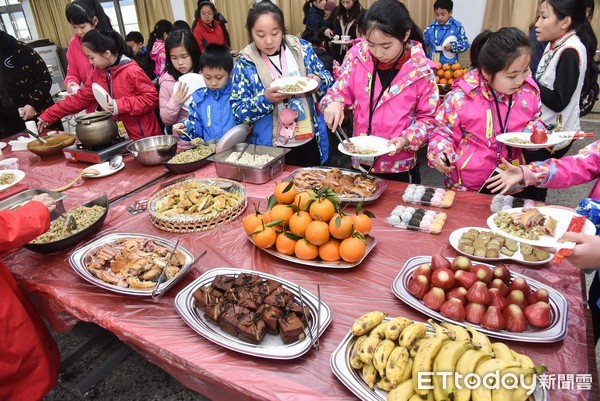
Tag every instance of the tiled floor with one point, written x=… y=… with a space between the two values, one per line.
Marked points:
x=136 y=379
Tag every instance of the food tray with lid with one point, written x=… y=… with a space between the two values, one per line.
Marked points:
x=246 y=173
x=271 y=347
x=380 y=185
x=555 y=332
x=77 y=262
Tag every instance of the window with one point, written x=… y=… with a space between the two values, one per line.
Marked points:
x=121 y=13
x=12 y=19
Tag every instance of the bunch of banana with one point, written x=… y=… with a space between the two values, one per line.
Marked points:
x=391 y=353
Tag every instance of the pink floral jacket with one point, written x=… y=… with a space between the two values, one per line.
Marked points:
x=406 y=109
x=467 y=125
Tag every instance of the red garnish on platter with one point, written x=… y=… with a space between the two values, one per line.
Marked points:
x=575 y=226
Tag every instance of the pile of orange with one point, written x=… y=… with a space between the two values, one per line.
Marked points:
x=446 y=73
x=309 y=225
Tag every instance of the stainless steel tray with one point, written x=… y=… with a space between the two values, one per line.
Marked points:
x=353 y=380
x=381 y=184
x=340 y=264
x=76 y=260
x=25 y=196
x=560 y=308
x=272 y=346
x=254 y=175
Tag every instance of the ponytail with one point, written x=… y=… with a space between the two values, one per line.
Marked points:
x=494 y=51
x=163 y=26
x=100 y=41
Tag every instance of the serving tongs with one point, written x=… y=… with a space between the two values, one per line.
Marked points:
x=344 y=140
x=314 y=340
x=246 y=148
x=160 y=292
x=156 y=294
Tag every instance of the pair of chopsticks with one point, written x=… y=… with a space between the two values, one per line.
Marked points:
x=578 y=135
x=566 y=248
x=313 y=339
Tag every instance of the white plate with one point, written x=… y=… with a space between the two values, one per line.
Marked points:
x=104 y=170
x=553 y=333
x=553 y=139
x=194 y=81
x=101 y=95
x=2 y=145
x=310 y=84
x=449 y=39
x=19 y=175
x=517 y=256
x=562 y=217
x=376 y=143
x=341 y=42
x=271 y=346
x=353 y=380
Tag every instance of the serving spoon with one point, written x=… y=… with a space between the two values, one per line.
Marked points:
x=81 y=174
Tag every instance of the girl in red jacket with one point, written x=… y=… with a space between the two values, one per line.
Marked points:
x=134 y=97
x=29 y=361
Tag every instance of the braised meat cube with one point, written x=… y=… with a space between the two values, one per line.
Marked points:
x=270 y=314
x=247 y=280
x=291 y=328
x=213 y=312
x=247 y=299
x=222 y=283
x=266 y=287
x=207 y=295
x=280 y=297
x=251 y=328
x=296 y=308
x=230 y=318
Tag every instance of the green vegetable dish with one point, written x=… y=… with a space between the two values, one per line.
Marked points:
x=84 y=217
x=7 y=178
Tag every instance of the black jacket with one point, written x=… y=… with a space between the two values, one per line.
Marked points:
x=25 y=80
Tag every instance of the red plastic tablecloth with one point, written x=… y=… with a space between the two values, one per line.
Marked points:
x=156 y=331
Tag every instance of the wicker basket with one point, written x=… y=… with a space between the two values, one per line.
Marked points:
x=188 y=224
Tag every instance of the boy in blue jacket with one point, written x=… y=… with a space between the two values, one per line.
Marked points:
x=445 y=37
x=210 y=111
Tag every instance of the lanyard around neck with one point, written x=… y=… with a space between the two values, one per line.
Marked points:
x=384 y=86
x=503 y=125
x=276 y=71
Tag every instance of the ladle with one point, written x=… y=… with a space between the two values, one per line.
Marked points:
x=81 y=174
x=115 y=162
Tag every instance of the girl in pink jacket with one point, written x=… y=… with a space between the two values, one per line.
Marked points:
x=399 y=104
x=495 y=97
x=83 y=15
x=134 y=97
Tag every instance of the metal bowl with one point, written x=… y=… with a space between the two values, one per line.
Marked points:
x=53 y=146
x=154 y=150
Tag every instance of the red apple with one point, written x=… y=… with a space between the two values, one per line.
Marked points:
x=453 y=309
x=474 y=312
x=501 y=272
x=465 y=278
x=539 y=136
x=439 y=261
x=493 y=319
x=434 y=298
x=423 y=270
x=539 y=314
x=478 y=293
x=515 y=319
x=541 y=294
x=497 y=299
x=418 y=286
x=499 y=284
x=483 y=273
x=443 y=278
x=516 y=297
x=459 y=293
x=520 y=284
x=461 y=262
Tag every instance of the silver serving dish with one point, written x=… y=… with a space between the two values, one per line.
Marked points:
x=340 y=264
x=560 y=308
x=23 y=197
x=353 y=380
x=271 y=347
x=381 y=184
x=242 y=172
x=76 y=260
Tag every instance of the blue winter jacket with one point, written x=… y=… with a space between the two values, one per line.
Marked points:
x=435 y=35
x=210 y=113
x=248 y=101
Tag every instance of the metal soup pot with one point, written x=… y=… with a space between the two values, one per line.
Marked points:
x=96 y=129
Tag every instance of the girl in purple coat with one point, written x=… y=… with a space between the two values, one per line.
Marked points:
x=389 y=84
x=495 y=97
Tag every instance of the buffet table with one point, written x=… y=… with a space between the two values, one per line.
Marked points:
x=155 y=330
